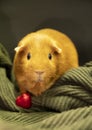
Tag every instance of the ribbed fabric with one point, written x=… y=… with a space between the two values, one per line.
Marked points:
x=67 y=105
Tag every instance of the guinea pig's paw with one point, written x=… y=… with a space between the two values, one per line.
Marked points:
x=24 y=100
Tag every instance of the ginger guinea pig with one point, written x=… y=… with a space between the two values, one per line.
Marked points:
x=41 y=58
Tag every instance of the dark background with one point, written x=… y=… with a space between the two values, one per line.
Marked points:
x=73 y=17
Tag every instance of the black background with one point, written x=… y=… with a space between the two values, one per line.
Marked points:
x=73 y=17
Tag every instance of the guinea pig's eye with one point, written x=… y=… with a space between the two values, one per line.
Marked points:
x=28 y=56
x=50 y=56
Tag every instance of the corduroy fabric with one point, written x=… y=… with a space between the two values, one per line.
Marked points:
x=67 y=105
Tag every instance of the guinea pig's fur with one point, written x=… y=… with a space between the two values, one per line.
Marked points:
x=41 y=58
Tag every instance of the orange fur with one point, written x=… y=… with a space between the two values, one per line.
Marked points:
x=39 y=73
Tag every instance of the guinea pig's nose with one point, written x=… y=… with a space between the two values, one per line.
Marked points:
x=39 y=72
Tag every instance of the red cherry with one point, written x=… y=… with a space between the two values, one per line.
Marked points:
x=24 y=100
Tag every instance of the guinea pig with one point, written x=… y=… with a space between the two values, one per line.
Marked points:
x=41 y=58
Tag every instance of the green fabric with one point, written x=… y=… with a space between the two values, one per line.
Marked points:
x=67 y=105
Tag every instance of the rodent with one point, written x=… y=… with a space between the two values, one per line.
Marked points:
x=41 y=58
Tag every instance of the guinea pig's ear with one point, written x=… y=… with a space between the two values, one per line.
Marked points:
x=57 y=49
x=19 y=48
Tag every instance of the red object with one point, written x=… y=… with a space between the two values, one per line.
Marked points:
x=24 y=100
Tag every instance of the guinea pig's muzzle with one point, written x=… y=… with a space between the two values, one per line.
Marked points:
x=39 y=76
